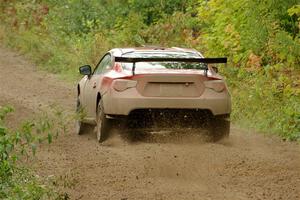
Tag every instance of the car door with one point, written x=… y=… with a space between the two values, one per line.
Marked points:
x=93 y=84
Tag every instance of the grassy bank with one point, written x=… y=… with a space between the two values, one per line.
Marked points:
x=261 y=40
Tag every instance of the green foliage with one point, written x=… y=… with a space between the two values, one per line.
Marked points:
x=261 y=39
x=237 y=28
x=153 y=11
x=16 y=180
x=265 y=102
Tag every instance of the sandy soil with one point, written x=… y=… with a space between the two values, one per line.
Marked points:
x=246 y=166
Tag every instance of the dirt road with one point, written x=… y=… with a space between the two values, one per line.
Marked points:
x=246 y=166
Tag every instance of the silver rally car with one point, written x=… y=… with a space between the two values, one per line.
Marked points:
x=153 y=88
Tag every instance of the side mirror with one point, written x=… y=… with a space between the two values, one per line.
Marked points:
x=215 y=69
x=85 y=70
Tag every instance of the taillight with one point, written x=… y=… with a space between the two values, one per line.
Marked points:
x=123 y=84
x=216 y=85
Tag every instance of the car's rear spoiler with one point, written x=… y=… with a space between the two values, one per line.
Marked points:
x=195 y=60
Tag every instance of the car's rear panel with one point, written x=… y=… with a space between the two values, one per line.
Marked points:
x=171 y=85
x=167 y=91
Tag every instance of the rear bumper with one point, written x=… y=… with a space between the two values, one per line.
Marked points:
x=122 y=103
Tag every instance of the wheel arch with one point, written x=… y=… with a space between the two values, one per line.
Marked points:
x=78 y=89
x=98 y=100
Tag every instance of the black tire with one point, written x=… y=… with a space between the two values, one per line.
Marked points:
x=104 y=125
x=80 y=127
x=219 y=128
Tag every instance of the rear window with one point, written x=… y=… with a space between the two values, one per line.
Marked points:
x=159 y=54
x=163 y=65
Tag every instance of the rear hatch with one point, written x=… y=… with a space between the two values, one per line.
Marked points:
x=168 y=74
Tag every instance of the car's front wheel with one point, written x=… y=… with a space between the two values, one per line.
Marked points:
x=104 y=125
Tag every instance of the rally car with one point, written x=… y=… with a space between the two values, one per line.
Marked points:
x=153 y=87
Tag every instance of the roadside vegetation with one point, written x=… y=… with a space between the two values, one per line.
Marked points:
x=17 y=146
x=260 y=38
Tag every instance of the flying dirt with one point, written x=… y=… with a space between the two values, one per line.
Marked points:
x=170 y=165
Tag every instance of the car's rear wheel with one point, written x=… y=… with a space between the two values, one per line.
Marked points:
x=219 y=128
x=104 y=125
x=80 y=127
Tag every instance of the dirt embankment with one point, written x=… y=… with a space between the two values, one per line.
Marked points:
x=246 y=166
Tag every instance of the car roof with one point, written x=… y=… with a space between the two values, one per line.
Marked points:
x=156 y=49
